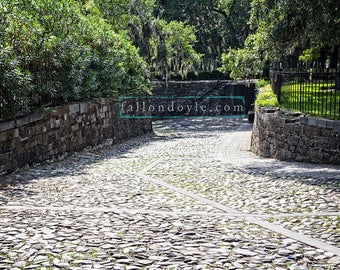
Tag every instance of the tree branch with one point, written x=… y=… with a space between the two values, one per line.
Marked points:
x=226 y=16
x=220 y=11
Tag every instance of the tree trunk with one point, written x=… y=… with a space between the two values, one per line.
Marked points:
x=322 y=59
x=334 y=57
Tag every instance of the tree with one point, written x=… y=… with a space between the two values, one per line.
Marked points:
x=290 y=31
x=172 y=49
x=244 y=62
x=219 y=24
x=166 y=46
x=132 y=16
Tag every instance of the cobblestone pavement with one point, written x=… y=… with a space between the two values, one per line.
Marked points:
x=189 y=196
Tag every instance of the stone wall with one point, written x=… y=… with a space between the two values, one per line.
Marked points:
x=64 y=129
x=295 y=137
x=208 y=88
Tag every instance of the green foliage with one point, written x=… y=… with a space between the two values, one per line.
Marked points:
x=241 y=63
x=179 y=44
x=266 y=97
x=295 y=30
x=309 y=55
x=55 y=51
x=131 y=16
x=261 y=83
x=219 y=24
x=244 y=62
x=168 y=47
x=172 y=49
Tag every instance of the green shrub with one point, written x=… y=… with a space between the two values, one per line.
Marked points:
x=261 y=83
x=266 y=97
x=53 y=52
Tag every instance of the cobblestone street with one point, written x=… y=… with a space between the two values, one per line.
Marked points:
x=189 y=196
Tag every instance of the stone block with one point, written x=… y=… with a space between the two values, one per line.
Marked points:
x=29 y=119
x=23 y=139
x=6 y=125
x=75 y=127
x=333 y=143
x=285 y=155
x=6 y=161
x=79 y=119
x=83 y=107
x=330 y=124
x=312 y=121
x=260 y=116
x=327 y=133
x=52 y=123
x=36 y=129
x=57 y=123
x=3 y=136
x=6 y=146
x=104 y=109
x=74 y=108
x=318 y=142
x=303 y=120
x=337 y=126
x=24 y=132
x=335 y=159
x=322 y=123
x=51 y=137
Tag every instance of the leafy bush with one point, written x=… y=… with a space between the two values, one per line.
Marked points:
x=261 y=83
x=52 y=52
x=266 y=97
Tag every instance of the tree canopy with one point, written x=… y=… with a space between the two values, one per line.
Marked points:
x=57 y=51
x=219 y=24
x=289 y=31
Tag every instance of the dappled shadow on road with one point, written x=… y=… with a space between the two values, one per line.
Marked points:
x=306 y=173
x=197 y=125
x=14 y=185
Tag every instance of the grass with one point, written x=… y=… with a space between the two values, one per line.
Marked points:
x=266 y=97
x=315 y=99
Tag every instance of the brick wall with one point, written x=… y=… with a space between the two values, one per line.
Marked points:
x=64 y=129
x=295 y=137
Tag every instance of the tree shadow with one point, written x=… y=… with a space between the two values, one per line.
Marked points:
x=307 y=173
x=14 y=185
x=199 y=125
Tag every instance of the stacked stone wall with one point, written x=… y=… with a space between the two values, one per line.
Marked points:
x=242 y=88
x=295 y=137
x=65 y=129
